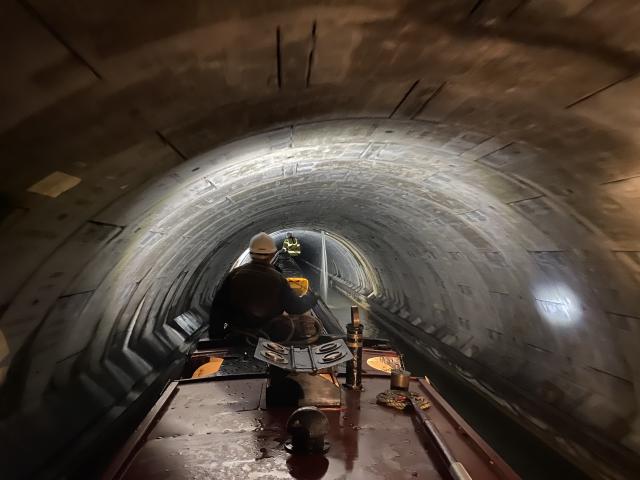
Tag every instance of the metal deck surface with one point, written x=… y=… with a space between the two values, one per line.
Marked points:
x=220 y=429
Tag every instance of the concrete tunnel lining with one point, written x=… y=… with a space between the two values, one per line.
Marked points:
x=454 y=251
x=490 y=152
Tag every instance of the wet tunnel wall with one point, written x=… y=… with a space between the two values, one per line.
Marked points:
x=482 y=159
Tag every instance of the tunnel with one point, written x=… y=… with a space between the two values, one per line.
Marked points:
x=473 y=163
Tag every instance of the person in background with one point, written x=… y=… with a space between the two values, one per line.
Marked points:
x=291 y=245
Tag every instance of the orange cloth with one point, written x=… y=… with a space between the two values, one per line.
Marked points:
x=209 y=368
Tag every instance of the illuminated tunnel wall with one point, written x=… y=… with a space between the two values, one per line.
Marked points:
x=483 y=160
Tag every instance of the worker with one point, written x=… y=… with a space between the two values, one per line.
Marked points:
x=291 y=245
x=253 y=297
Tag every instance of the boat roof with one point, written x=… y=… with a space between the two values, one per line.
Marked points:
x=219 y=427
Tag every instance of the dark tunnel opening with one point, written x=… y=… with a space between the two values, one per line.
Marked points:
x=475 y=168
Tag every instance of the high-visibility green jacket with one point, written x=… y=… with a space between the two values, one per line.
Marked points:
x=292 y=246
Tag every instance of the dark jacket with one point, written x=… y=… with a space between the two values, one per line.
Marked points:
x=253 y=294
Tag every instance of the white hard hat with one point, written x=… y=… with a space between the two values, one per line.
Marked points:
x=262 y=244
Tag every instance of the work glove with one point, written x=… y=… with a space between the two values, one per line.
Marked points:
x=306 y=327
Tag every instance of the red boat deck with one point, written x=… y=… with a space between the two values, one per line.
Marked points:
x=218 y=428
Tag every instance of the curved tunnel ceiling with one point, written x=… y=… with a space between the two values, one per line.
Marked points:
x=483 y=159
